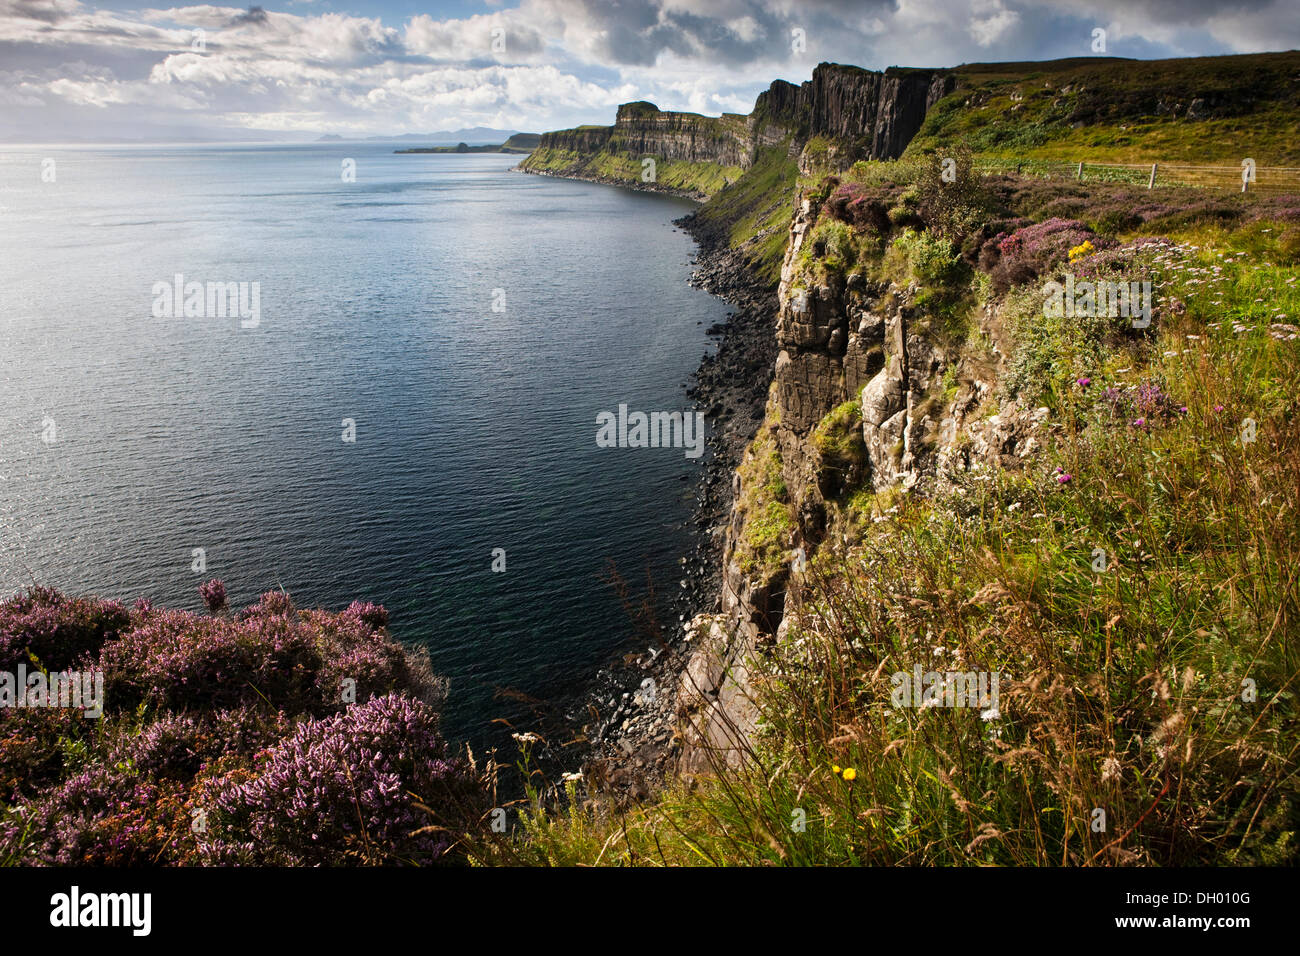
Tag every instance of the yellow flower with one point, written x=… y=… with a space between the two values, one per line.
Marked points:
x=1083 y=250
x=850 y=773
x=835 y=769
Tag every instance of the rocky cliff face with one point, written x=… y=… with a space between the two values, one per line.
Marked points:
x=868 y=115
x=875 y=114
x=643 y=129
x=583 y=139
x=843 y=339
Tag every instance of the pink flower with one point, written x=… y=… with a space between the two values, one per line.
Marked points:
x=1084 y=382
x=1063 y=478
x=213 y=594
x=1139 y=423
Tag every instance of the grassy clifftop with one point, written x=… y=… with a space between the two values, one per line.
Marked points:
x=1202 y=109
x=1127 y=573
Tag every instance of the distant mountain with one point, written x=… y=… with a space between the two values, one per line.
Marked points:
x=477 y=135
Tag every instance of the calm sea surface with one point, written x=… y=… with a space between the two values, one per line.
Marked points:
x=127 y=441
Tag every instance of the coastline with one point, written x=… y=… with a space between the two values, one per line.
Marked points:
x=626 y=718
x=690 y=194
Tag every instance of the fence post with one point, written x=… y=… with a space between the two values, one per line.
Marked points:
x=1151 y=184
x=1079 y=175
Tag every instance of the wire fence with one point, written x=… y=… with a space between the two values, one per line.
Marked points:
x=1263 y=179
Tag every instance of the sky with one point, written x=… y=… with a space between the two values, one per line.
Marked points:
x=296 y=69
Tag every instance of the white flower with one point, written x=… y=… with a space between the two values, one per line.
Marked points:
x=991 y=714
x=572 y=777
x=526 y=738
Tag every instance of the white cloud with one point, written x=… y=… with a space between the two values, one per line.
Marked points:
x=563 y=61
x=990 y=21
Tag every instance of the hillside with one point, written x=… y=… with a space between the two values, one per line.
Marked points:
x=1002 y=584
x=1199 y=110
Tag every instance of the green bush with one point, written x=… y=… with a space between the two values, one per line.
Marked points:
x=930 y=260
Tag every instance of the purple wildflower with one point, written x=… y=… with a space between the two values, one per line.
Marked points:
x=213 y=594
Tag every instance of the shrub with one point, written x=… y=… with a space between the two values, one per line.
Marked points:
x=1035 y=250
x=861 y=207
x=830 y=246
x=176 y=659
x=348 y=788
x=930 y=261
x=213 y=594
x=189 y=701
x=56 y=630
x=954 y=209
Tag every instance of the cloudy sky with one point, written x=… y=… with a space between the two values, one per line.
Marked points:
x=293 y=69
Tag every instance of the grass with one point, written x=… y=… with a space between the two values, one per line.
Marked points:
x=1142 y=616
x=754 y=213
x=698 y=179
x=764 y=501
x=1105 y=110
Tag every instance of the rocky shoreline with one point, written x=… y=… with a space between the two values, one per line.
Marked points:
x=630 y=714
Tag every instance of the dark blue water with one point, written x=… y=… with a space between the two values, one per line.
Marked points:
x=475 y=428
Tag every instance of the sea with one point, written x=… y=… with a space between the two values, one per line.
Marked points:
x=388 y=391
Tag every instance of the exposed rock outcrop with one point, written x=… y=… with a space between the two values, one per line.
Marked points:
x=877 y=114
x=841 y=338
x=866 y=115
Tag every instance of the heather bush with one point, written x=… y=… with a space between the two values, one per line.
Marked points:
x=35 y=747
x=214 y=595
x=860 y=206
x=177 y=659
x=1035 y=250
x=356 y=649
x=197 y=706
x=101 y=816
x=357 y=787
x=57 y=631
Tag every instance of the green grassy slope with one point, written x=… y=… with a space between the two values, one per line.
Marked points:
x=1119 y=110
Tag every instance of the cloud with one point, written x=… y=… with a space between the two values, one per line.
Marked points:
x=254 y=15
x=990 y=21
x=286 y=64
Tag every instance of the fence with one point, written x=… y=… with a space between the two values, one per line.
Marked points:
x=1267 y=179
